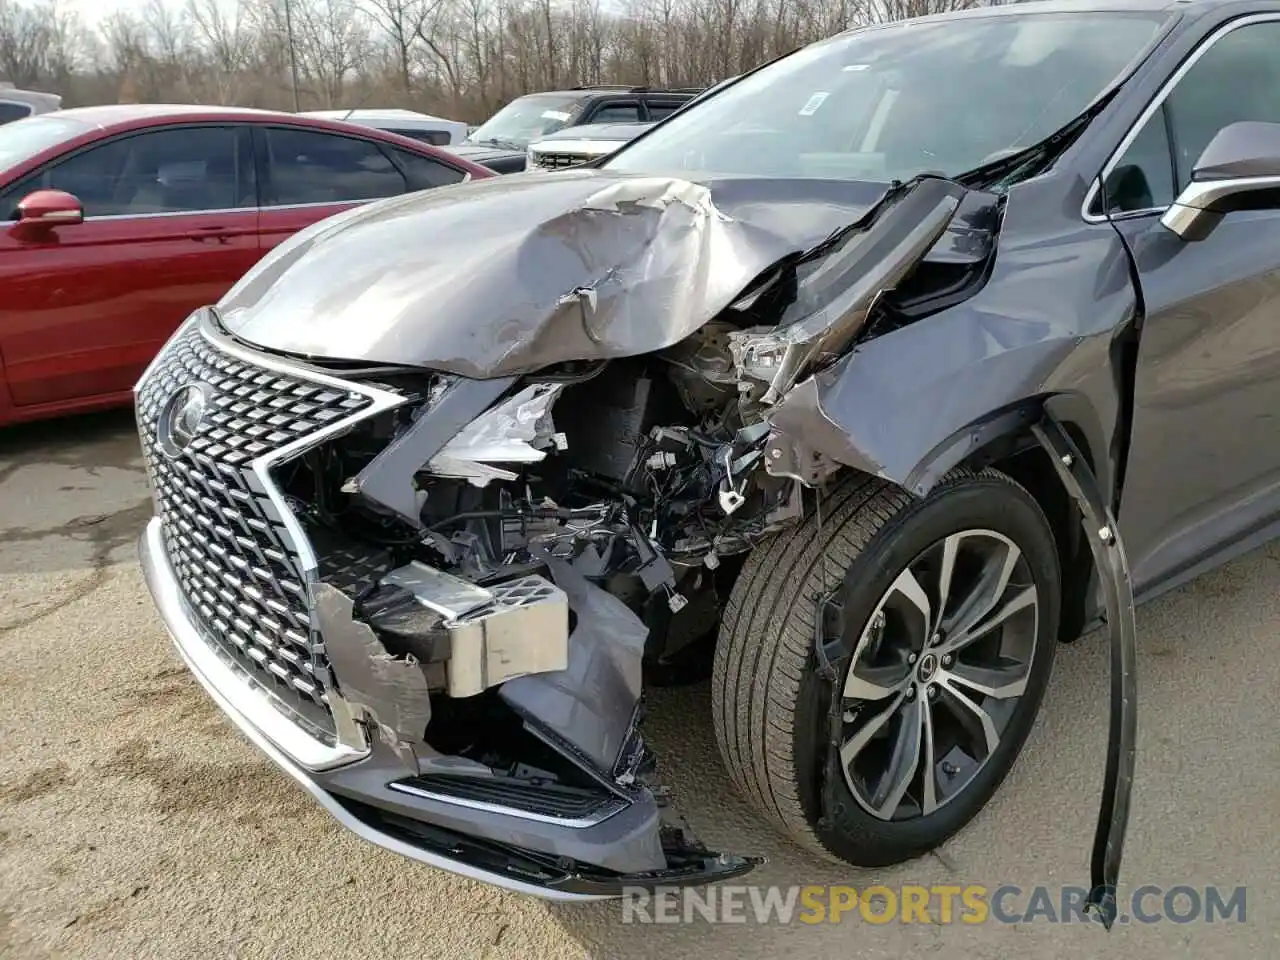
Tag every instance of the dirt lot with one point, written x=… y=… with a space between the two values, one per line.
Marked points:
x=134 y=821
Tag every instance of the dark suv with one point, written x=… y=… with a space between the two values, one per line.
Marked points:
x=500 y=143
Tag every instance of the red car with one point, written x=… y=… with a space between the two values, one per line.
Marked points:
x=124 y=219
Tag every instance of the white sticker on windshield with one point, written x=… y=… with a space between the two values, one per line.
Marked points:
x=812 y=105
x=555 y=115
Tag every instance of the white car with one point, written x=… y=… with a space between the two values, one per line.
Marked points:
x=16 y=104
x=407 y=123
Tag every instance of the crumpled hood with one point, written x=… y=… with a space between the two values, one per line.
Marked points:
x=505 y=276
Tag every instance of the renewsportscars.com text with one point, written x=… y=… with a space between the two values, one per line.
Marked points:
x=939 y=904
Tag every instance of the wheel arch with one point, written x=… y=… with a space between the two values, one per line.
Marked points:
x=1004 y=440
x=1007 y=443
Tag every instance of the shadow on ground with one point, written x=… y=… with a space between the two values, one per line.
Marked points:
x=73 y=495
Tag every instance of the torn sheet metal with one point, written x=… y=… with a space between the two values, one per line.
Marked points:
x=909 y=405
x=833 y=300
x=592 y=704
x=1113 y=572
x=509 y=275
x=390 y=691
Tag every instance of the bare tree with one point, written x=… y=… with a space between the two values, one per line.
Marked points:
x=332 y=42
x=403 y=22
x=463 y=58
x=223 y=37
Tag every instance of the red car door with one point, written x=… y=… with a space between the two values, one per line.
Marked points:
x=170 y=224
x=312 y=174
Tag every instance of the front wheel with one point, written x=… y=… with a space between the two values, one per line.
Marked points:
x=880 y=667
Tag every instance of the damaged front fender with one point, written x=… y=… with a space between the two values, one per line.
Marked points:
x=912 y=403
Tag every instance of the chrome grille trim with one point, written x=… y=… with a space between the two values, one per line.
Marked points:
x=558 y=161
x=236 y=632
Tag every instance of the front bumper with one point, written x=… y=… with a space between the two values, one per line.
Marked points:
x=482 y=842
x=273 y=734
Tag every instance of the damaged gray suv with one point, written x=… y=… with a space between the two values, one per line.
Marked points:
x=839 y=387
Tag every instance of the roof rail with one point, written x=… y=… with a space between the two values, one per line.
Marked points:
x=644 y=88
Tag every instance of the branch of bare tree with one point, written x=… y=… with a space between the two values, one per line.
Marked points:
x=460 y=58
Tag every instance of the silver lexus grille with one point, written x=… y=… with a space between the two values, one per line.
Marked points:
x=237 y=562
x=557 y=161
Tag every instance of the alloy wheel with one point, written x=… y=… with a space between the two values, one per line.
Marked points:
x=936 y=674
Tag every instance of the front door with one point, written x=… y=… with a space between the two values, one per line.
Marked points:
x=1204 y=462
x=170 y=224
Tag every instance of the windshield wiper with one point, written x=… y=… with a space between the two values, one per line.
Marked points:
x=1036 y=158
x=496 y=142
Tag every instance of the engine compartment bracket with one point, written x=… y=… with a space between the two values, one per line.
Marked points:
x=1103 y=536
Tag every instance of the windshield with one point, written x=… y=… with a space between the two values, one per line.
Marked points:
x=894 y=102
x=526 y=119
x=23 y=139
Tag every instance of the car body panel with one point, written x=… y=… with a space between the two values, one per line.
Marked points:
x=497 y=159
x=408 y=123
x=88 y=307
x=1207 y=389
x=493 y=303
x=14 y=103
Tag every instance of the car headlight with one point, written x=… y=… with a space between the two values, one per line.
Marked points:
x=517 y=430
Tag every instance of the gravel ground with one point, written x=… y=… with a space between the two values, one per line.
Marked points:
x=135 y=822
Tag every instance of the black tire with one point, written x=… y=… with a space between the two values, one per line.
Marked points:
x=770 y=704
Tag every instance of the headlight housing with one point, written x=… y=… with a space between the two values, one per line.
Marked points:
x=516 y=430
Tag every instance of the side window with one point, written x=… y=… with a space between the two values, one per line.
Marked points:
x=423 y=172
x=166 y=171
x=312 y=167
x=1143 y=179
x=438 y=138
x=660 y=110
x=13 y=111
x=616 y=113
x=1237 y=78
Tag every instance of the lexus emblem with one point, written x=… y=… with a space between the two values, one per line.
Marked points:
x=180 y=419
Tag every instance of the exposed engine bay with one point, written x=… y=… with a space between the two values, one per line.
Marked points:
x=516 y=556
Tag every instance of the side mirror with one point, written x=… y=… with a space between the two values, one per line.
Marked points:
x=43 y=209
x=1237 y=170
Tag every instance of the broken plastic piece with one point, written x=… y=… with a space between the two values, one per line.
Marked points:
x=508 y=630
x=518 y=430
x=1117 y=590
x=390 y=692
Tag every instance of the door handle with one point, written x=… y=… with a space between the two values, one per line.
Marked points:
x=219 y=233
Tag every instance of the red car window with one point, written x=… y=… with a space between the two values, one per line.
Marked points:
x=312 y=167
x=162 y=171
x=423 y=172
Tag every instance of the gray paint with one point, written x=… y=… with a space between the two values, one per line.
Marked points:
x=1248 y=149
x=592 y=704
x=535 y=270
x=627 y=841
